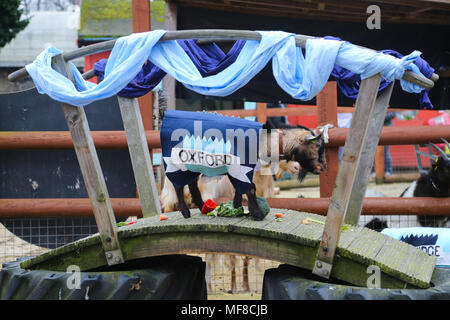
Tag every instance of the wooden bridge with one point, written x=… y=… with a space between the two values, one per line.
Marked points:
x=331 y=247
x=287 y=241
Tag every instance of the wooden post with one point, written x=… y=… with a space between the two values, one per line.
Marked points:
x=355 y=143
x=140 y=156
x=141 y=23
x=326 y=102
x=261 y=112
x=91 y=171
x=379 y=165
x=169 y=81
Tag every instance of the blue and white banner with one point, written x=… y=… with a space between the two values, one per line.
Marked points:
x=195 y=143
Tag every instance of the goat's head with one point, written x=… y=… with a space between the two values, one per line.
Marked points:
x=305 y=147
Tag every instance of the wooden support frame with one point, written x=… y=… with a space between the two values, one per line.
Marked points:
x=327 y=114
x=368 y=151
x=356 y=162
x=140 y=156
x=91 y=171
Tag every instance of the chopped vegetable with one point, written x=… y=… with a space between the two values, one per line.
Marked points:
x=278 y=219
x=121 y=224
x=344 y=227
x=163 y=217
x=279 y=215
x=305 y=221
x=208 y=206
x=227 y=210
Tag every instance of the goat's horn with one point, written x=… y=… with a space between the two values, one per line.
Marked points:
x=311 y=137
x=440 y=151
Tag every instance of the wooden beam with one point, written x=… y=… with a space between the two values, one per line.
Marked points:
x=141 y=23
x=10 y=140
x=350 y=162
x=91 y=171
x=125 y=207
x=369 y=147
x=327 y=114
x=169 y=83
x=379 y=165
x=140 y=156
x=261 y=112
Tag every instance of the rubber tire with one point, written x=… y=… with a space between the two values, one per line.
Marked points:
x=291 y=283
x=174 y=277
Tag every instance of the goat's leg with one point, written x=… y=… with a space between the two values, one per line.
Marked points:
x=181 y=203
x=196 y=195
x=255 y=211
x=237 y=201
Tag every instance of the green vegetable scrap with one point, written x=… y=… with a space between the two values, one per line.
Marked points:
x=344 y=227
x=227 y=210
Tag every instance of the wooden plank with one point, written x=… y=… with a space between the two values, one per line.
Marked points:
x=327 y=114
x=372 y=136
x=91 y=171
x=140 y=156
x=351 y=160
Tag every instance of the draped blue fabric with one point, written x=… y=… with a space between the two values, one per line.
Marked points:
x=300 y=75
x=349 y=81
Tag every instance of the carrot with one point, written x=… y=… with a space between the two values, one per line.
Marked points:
x=279 y=215
x=163 y=217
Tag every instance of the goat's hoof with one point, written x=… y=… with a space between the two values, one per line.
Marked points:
x=186 y=214
x=257 y=215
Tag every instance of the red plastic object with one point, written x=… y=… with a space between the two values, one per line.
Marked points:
x=208 y=206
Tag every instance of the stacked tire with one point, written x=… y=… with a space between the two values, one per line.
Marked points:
x=167 y=277
x=291 y=283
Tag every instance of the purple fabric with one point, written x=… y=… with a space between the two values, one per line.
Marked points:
x=349 y=82
x=208 y=58
x=148 y=78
